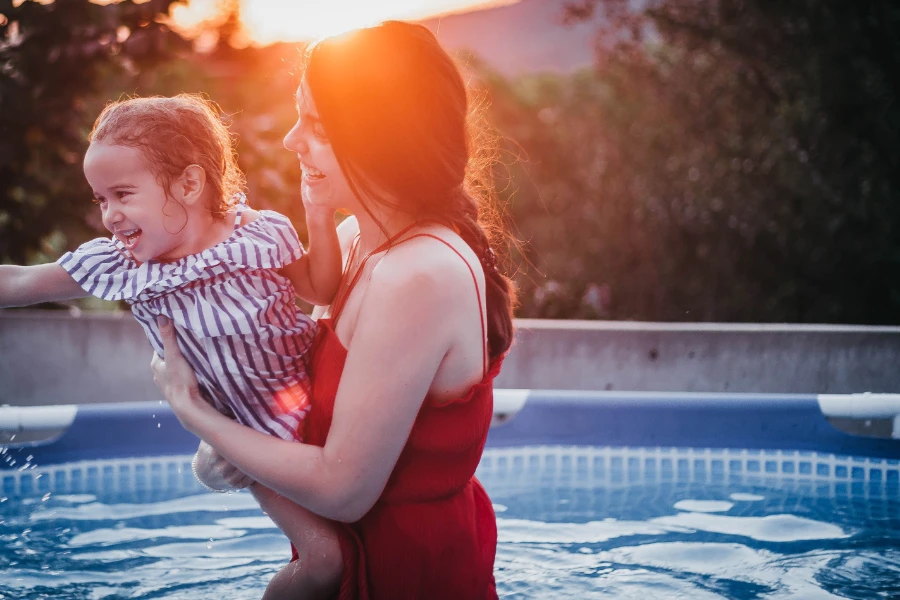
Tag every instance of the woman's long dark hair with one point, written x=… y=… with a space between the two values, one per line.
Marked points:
x=398 y=115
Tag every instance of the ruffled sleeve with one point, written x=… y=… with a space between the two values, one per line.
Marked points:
x=269 y=242
x=105 y=269
x=101 y=268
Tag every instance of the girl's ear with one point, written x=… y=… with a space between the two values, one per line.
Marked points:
x=190 y=186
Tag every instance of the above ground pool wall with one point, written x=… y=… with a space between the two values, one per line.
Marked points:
x=53 y=358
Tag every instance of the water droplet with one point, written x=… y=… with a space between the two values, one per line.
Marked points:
x=46 y=497
x=4 y=499
x=158 y=425
x=29 y=458
x=209 y=544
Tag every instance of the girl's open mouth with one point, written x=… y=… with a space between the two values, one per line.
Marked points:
x=130 y=238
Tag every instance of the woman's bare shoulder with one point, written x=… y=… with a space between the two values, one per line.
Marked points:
x=443 y=266
x=347 y=230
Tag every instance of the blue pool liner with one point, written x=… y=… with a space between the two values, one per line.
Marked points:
x=670 y=420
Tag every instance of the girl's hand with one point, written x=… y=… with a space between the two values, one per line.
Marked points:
x=175 y=377
x=316 y=211
x=213 y=471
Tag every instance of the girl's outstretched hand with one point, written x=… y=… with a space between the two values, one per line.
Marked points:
x=175 y=377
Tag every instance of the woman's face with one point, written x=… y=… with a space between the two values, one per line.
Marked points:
x=324 y=183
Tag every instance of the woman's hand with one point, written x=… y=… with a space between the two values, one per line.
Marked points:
x=175 y=377
x=213 y=471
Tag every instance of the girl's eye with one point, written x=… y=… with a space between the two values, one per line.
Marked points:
x=122 y=194
x=98 y=201
x=319 y=131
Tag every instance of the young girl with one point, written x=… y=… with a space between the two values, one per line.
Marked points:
x=185 y=246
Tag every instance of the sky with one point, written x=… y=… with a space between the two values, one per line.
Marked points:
x=268 y=21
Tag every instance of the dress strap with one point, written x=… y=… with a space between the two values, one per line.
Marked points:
x=481 y=315
x=241 y=200
x=340 y=299
x=340 y=302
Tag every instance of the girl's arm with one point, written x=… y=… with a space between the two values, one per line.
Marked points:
x=21 y=286
x=389 y=369
x=317 y=274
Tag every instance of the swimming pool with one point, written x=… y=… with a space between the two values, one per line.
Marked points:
x=598 y=495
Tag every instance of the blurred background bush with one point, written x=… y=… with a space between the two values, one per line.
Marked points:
x=700 y=160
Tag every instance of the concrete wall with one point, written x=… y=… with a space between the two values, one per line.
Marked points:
x=704 y=357
x=52 y=357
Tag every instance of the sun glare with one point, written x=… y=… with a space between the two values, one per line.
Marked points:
x=268 y=21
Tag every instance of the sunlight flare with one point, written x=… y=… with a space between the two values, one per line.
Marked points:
x=269 y=21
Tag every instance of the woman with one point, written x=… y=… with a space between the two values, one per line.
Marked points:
x=381 y=500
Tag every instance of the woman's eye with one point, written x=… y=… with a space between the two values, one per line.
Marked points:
x=121 y=195
x=319 y=131
x=98 y=201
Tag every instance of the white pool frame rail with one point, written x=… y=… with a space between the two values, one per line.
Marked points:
x=16 y=420
x=863 y=406
x=33 y=423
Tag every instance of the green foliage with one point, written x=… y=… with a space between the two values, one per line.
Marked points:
x=54 y=57
x=726 y=160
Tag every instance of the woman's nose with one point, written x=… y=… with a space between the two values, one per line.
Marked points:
x=294 y=141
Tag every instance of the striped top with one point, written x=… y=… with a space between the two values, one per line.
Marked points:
x=235 y=317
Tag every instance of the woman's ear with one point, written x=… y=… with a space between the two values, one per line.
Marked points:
x=190 y=186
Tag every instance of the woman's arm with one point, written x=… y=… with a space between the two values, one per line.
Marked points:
x=21 y=286
x=389 y=369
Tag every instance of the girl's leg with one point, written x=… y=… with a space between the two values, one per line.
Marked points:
x=317 y=573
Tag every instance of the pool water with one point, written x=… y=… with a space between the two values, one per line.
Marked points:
x=574 y=522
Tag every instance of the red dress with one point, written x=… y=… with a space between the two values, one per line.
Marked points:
x=432 y=534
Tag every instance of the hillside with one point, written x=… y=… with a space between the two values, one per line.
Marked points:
x=524 y=37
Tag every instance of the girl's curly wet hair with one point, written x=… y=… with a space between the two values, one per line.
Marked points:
x=173 y=133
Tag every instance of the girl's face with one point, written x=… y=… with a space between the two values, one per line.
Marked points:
x=324 y=183
x=133 y=205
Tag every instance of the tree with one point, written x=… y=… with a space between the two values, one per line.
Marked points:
x=54 y=58
x=743 y=163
